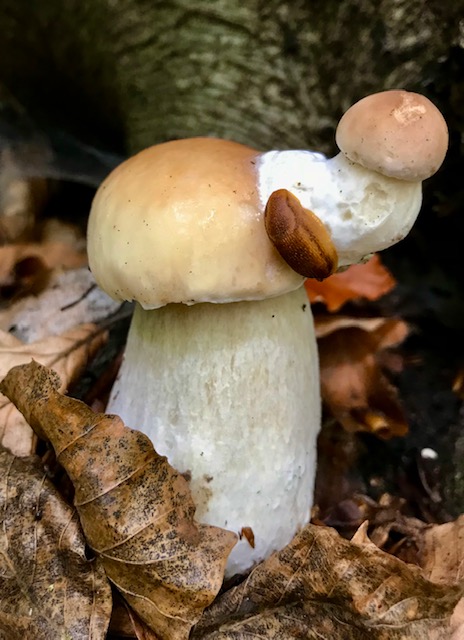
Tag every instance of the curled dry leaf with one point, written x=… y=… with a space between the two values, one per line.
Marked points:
x=370 y=280
x=322 y=586
x=136 y=510
x=67 y=354
x=389 y=529
x=353 y=387
x=126 y=624
x=48 y=589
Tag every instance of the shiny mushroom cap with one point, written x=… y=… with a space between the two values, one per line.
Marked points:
x=182 y=222
x=396 y=133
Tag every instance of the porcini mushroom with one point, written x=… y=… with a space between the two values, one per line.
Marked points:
x=221 y=367
x=369 y=195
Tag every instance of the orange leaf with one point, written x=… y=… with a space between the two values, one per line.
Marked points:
x=370 y=280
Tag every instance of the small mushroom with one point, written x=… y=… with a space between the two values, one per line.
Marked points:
x=369 y=195
x=221 y=366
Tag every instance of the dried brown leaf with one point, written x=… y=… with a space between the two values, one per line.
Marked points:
x=442 y=559
x=48 y=589
x=370 y=280
x=70 y=299
x=136 y=510
x=67 y=354
x=30 y=277
x=353 y=387
x=126 y=624
x=442 y=552
x=386 y=332
x=322 y=586
x=389 y=529
x=53 y=254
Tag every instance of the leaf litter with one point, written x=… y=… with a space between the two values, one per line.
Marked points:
x=354 y=388
x=136 y=511
x=320 y=585
x=48 y=588
x=67 y=353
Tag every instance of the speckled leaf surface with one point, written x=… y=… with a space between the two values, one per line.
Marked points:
x=441 y=556
x=136 y=510
x=48 y=588
x=322 y=586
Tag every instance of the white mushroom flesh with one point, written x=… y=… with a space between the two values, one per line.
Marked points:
x=364 y=211
x=230 y=394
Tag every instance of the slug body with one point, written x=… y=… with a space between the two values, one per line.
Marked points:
x=299 y=236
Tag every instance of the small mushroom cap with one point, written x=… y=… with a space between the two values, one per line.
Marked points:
x=183 y=222
x=397 y=133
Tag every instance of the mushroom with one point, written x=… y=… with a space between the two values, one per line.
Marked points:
x=221 y=368
x=369 y=195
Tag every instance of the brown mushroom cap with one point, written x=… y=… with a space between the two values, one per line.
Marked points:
x=397 y=133
x=183 y=222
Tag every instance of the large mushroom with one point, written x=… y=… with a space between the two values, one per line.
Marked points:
x=221 y=367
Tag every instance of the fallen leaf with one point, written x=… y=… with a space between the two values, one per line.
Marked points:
x=48 y=589
x=389 y=528
x=322 y=586
x=125 y=623
x=442 y=560
x=30 y=277
x=67 y=354
x=442 y=552
x=136 y=511
x=353 y=387
x=458 y=384
x=53 y=255
x=71 y=298
x=370 y=280
x=388 y=332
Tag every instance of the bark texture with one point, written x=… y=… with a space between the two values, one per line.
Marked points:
x=123 y=74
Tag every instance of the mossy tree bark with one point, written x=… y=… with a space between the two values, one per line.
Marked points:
x=124 y=74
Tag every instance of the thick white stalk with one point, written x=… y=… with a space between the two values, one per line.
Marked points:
x=230 y=394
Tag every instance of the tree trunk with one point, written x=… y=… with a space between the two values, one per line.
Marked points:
x=124 y=74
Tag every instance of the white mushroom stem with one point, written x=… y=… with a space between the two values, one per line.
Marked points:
x=230 y=394
x=363 y=210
